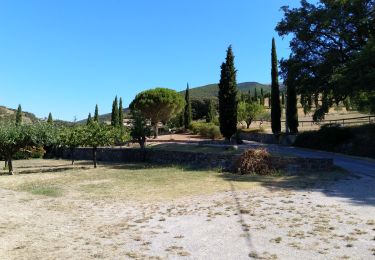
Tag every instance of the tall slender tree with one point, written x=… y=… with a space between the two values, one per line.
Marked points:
x=19 y=115
x=89 y=119
x=228 y=97
x=291 y=108
x=115 y=114
x=255 y=95
x=96 y=114
x=50 y=119
x=187 y=110
x=211 y=112
x=275 y=93
x=250 y=99
x=120 y=114
x=261 y=97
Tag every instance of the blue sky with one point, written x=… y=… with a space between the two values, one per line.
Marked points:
x=66 y=56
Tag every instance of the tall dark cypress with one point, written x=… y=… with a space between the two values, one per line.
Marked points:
x=89 y=120
x=187 y=110
x=228 y=97
x=275 y=93
x=255 y=95
x=211 y=112
x=115 y=115
x=291 y=109
x=19 y=115
x=96 y=114
x=50 y=119
x=120 y=114
x=261 y=97
x=250 y=99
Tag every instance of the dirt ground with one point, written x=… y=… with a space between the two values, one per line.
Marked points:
x=240 y=222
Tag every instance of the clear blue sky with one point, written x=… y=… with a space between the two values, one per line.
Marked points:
x=66 y=56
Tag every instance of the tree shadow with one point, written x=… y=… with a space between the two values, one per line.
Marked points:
x=241 y=220
x=52 y=169
x=336 y=183
x=145 y=165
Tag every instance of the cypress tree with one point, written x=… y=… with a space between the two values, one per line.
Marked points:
x=255 y=95
x=115 y=114
x=96 y=114
x=89 y=120
x=261 y=97
x=19 y=115
x=228 y=97
x=50 y=119
x=211 y=112
x=187 y=110
x=291 y=109
x=249 y=97
x=282 y=98
x=120 y=114
x=275 y=93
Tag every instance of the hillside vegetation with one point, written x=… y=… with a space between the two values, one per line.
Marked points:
x=9 y=114
x=211 y=90
x=205 y=92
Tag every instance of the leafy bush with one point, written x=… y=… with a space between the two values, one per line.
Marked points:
x=207 y=130
x=30 y=152
x=355 y=140
x=327 y=138
x=255 y=161
x=195 y=126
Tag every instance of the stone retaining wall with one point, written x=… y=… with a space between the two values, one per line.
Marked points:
x=259 y=137
x=205 y=160
x=268 y=138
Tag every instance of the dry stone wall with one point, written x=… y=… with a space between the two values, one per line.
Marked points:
x=226 y=162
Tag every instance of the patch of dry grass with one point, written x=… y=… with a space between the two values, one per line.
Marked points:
x=134 y=182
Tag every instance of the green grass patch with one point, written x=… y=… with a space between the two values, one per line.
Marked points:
x=42 y=189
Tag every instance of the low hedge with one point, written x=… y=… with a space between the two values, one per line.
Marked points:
x=355 y=140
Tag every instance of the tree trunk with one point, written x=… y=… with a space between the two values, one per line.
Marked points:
x=94 y=155
x=248 y=123
x=72 y=155
x=10 y=166
x=156 y=131
x=142 y=142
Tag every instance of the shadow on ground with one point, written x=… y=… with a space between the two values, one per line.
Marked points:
x=336 y=183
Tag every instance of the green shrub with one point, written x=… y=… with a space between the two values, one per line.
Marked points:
x=354 y=140
x=207 y=130
x=255 y=161
x=327 y=138
x=195 y=126
x=214 y=132
x=30 y=152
